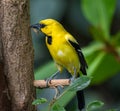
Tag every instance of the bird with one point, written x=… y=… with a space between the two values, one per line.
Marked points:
x=65 y=51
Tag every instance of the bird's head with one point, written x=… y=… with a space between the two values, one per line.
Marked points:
x=47 y=26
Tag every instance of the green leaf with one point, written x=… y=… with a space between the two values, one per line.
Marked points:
x=101 y=68
x=99 y=13
x=65 y=98
x=39 y=101
x=57 y=107
x=79 y=83
x=95 y=63
x=93 y=106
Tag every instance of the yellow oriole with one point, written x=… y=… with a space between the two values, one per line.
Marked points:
x=65 y=51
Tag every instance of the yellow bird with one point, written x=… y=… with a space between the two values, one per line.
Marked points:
x=64 y=50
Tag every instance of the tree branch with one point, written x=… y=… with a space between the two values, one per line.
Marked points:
x=52 y=83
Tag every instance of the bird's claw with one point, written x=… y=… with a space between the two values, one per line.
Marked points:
x=48 y=81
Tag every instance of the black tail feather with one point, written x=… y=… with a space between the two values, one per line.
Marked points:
x=81 y=100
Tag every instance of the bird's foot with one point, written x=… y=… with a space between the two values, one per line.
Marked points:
x=72 y=79
x=50 y=78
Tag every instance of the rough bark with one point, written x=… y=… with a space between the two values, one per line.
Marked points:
x=17 y=53
x=4 y=98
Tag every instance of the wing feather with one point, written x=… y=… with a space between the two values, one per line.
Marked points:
x=81 y=56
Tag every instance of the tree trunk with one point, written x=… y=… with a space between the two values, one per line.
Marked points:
x=17 y=56
x=4 y=99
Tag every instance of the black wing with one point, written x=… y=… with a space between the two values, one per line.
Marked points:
x=81 y=57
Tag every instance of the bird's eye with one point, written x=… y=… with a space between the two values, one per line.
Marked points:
x=42 y=25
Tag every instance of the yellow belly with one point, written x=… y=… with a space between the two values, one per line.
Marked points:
x=65 y=56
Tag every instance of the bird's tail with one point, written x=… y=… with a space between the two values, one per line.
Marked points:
x=81 y=100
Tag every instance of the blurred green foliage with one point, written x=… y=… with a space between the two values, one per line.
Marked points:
x=78 y=84
x=39 y=101
x=102 y=53
x=58 y=108
x=95 y=105
x=100 y=13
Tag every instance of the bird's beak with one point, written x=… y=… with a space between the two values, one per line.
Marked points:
x=36 y=26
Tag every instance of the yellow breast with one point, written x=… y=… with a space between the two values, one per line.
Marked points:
x=64 y=54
